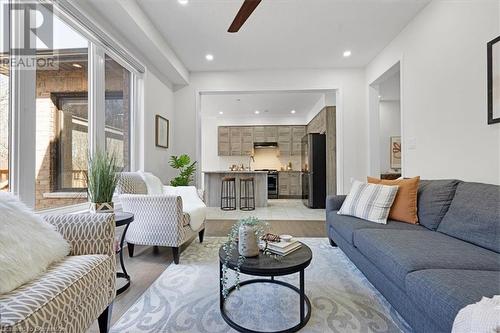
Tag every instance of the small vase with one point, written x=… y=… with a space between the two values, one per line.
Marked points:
x=248 y=245
x=102 y=207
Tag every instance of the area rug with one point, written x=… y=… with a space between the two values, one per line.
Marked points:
x=185 y=298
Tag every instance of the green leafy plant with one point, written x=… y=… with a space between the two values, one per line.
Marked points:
x=102 y=177
x=230 y=246
x=186 y=170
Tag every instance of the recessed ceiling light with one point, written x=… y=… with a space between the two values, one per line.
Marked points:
x=183 y=2
x=220 y=112
x=292 y=112
x=347 y=53
x=379 y=96
x=209 y=57
x=77 y=65
x=257 y=112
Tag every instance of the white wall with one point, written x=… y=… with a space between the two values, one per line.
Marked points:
x=158 y=99
x=390 y=125
x=350 y=107
x=443 y=67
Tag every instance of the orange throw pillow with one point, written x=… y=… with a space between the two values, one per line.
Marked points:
x=404 y=208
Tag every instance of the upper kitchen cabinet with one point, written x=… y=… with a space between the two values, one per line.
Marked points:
x=235 y=140
x=285 y=140
x=223 y=145
x=297 y=133
x=271 y=133
x=239 y=140
x=259 y=134
x=247 y=140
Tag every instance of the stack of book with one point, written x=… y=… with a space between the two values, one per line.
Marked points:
x=283 y=248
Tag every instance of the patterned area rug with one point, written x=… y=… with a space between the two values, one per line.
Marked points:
x=185 y=298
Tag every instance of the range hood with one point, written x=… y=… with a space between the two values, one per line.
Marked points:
x=265 y=145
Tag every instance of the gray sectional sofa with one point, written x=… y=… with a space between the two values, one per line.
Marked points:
x=429 y=271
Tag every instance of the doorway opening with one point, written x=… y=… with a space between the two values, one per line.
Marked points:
x=386 y=153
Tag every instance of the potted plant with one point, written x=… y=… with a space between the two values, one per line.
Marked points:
x=186 y=170
x=102 y=177
x=246 y=233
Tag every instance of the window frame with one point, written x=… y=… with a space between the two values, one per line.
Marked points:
x=22 y=103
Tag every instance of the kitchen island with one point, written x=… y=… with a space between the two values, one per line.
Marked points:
x=213 y=181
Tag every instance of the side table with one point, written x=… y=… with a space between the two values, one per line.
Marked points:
x=123 y=219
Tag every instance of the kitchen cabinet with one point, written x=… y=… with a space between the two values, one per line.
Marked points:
x=259 y=134
x=235 y=141
x=247 y=141
x=239 y=140
x=271 y=133
x=290 y=184
x=284 y=140
x=223 y=145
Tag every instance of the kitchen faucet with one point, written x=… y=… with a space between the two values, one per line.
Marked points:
x=250 y=159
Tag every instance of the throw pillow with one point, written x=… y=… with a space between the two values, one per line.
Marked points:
x=153 y=183
x=404 y=208
x=371 y=202
x=28 y=244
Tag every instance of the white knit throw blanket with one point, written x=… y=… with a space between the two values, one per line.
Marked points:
x=480 y=317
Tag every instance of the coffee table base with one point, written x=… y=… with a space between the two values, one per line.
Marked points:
x=304 y=300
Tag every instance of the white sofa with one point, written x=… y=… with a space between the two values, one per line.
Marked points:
x=163 y=215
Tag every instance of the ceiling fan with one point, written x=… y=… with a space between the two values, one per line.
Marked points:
x=243 y=14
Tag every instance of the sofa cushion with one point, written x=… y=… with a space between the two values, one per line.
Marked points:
x=371 y=202
x=474 y=215
x=441 y=293
x=404 y=208
x=399 y=252
x=28 y=244
x=48 y=301
x=346 y=225
x=434 y=199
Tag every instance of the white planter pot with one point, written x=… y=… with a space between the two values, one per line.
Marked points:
x=248 y=245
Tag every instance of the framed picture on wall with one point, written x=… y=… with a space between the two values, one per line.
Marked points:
x=494 y=81
x=161 y=132
x=395 y=152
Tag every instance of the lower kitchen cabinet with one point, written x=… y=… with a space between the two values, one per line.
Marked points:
x=290 y=184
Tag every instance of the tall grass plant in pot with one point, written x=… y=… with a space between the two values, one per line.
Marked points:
x=102 y=178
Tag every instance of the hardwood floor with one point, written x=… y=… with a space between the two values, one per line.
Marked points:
x=147 y=265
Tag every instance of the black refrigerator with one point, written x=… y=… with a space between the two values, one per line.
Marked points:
x=314 y=170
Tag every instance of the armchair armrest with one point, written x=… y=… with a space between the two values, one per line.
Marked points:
x=334 y=202
x=152 y=205
x=86 y=233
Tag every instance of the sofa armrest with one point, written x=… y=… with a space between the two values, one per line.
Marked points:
x=86 y=233
x=334 y=202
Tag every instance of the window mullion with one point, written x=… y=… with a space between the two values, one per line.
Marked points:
x=96 y=97
x=23 y=123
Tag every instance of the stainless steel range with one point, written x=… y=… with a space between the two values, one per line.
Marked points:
x=272 y=183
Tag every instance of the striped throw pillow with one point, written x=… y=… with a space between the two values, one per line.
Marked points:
x=371 y=202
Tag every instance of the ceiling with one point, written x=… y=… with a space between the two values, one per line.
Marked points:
x=280 y=34
x=268 y=104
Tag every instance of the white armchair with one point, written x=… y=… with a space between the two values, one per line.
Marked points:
x=163 y=215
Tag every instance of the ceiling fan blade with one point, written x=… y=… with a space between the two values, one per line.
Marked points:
x=245 y=11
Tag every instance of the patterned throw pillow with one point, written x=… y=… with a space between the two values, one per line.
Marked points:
x=371 y=202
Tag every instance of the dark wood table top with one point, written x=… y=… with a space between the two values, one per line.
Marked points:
x=123 y=218
x=266 y=265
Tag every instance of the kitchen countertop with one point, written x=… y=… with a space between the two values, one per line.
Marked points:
x=240 y=171
x=290 y=171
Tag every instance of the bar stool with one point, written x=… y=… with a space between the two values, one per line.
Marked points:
x=247 y=193
x=228 y=193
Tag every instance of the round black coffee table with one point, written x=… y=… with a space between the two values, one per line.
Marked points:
x=123 y=219
x=266 y=266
